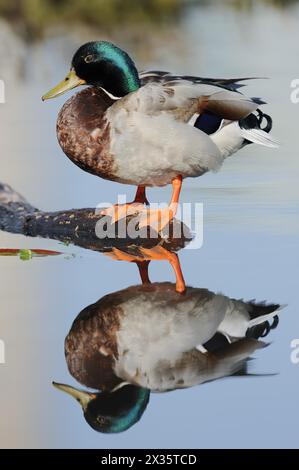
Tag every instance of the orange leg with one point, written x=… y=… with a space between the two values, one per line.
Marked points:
x=141 y=196
x=119 y=211
x=160 y=218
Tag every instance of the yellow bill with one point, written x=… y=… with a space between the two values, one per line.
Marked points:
x=80 y=395
x=71 y=81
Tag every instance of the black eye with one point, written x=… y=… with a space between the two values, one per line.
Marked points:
x=101 y=420
x=89 y=58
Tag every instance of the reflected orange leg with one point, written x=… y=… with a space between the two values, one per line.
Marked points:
x=160 y=253
x=142 y=264
x=150 y=254
x=180 y=285
x=120 y=211
x=143 y=271
x=160 y=218
x=120 y=255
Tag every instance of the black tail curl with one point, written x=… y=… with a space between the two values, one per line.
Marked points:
x=256 y=121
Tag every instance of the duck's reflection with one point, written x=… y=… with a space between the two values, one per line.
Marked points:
x=150 y=338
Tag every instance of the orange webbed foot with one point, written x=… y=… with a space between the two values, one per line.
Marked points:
x=157 y=219
x=160 y=218
x=121 y=211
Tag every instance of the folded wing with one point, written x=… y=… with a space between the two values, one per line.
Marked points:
x=184 y=100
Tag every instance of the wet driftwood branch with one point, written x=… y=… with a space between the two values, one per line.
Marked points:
x=76 y=226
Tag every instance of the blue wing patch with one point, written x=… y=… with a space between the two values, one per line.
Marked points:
x=208 y=123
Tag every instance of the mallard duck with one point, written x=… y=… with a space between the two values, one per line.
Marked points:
x=151 y=128
x=149 y=338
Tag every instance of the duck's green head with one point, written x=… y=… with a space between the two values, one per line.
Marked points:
x=100 y=64
x=111 y=412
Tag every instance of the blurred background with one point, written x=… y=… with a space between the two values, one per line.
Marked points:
x=251 y=212
x=35 y=18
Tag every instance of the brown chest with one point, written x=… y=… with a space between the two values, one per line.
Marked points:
x=84 y=133
x=91 y=346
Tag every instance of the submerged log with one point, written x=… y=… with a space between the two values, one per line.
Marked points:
x=78 y=226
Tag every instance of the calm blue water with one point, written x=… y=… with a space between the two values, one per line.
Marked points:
x=250 y=248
